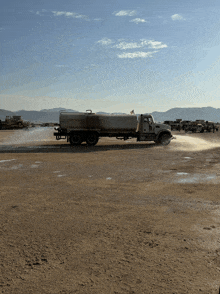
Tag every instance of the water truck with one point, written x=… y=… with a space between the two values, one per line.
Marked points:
x=79 y=127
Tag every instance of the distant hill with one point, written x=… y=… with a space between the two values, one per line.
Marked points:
x=115 y=113
x=39 y=116
x=58 y=110
x=101 y=112
x=44 y=115
x=4 y=113
x=52 y=115
x=206 y=113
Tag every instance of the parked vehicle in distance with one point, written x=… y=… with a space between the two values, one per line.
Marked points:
x=175 y=125
x=89 y=127
x=210 y=126
x=14 y=122
x=201 y=126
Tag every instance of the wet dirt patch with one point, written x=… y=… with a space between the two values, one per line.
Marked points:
x=17 y=166
x=6 y=160
x=179 y=203
x=182 y=174
x=34 y=166
x=190 y=178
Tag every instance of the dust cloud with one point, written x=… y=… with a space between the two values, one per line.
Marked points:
x=32 y=135
x=188 y=143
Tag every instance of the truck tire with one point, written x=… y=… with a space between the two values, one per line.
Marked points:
x=92 y=139
x=165 y=139
x=75 y=139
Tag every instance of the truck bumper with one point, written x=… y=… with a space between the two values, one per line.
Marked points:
x=60 y=135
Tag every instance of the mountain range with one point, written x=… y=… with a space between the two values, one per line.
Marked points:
x=52 y=115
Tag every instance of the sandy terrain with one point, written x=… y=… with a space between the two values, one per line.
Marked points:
x=120 y=217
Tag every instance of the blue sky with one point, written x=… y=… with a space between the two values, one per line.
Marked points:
x=109 y=56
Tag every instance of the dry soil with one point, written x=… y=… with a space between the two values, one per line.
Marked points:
x=120 y=217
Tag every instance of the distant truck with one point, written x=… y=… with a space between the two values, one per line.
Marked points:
x=14 y=122
x=201 y=126
x=210 y=126
x=175 y=125
x=89 y=127
x=197 y=126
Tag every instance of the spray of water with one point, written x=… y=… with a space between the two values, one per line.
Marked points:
x=33 y=135
x=43 y=135
x=188 y=143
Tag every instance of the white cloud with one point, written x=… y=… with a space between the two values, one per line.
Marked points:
x=138 y=20
x=124 y=45
x=125 y=13
x=143 y=43
x=177 y=17
x=105 y=41
x=61 y=65
x=39 y=13
x=136 y=54
x=68 y=14
x=156 y=45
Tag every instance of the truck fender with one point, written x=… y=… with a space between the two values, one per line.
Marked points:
x=162 y=132
x=164 y=138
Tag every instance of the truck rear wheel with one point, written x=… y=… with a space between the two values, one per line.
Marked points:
x=92 y=139
x=76 y=139
x=165 y=139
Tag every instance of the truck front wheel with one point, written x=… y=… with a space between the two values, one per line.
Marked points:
x=165 y=139
x=92 y=139
x=76 y=139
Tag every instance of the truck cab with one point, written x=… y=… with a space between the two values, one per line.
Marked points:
x=149 y=130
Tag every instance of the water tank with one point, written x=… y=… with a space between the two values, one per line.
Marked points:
x=100 y=122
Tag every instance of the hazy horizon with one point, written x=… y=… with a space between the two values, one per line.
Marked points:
x=59 y=108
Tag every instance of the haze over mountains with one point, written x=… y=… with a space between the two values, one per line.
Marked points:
x=52 y=115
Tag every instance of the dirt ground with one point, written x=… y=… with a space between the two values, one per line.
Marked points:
x=120 y=217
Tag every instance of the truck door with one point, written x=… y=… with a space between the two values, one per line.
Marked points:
x=147 y=125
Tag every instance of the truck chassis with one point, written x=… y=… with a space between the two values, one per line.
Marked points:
x=92 y=137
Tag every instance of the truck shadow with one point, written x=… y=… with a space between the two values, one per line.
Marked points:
x=67 y=148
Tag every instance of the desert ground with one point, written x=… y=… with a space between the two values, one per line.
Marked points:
x=119 y=217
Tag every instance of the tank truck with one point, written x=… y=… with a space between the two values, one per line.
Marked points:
x=88 y=127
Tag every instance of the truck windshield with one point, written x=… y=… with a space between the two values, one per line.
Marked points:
x=151 y=120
